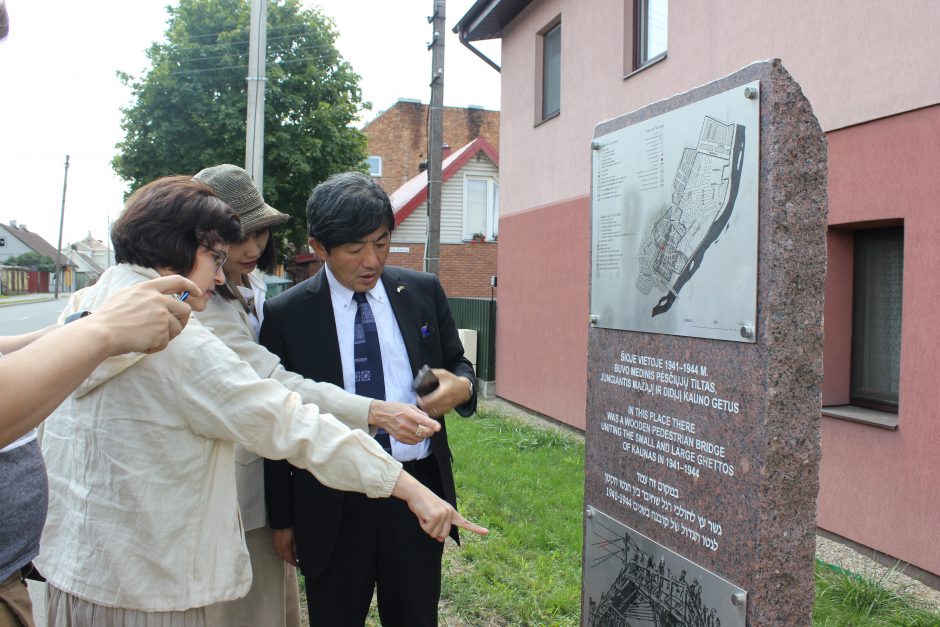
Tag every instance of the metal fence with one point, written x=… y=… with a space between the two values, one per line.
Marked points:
x=479 y=314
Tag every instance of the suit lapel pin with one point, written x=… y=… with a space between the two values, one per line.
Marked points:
x=427 y=330
x=400 y=289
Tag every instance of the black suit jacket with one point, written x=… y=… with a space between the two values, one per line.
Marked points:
x=300 y=328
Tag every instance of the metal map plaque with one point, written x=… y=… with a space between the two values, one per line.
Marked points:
x=674 y=221
x=630 y=580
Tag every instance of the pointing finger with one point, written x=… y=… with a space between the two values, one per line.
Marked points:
x=463 y=523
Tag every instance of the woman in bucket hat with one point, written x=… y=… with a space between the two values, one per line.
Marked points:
x=235 y=316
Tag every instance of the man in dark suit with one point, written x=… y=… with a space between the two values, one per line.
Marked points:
x=367 y=328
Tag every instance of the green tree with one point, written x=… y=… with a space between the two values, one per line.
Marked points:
x=32 y=259
x=189 y=108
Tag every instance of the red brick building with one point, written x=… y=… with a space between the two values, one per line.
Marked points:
x=398 y=137
x=398 y=146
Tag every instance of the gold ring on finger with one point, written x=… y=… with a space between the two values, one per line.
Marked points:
x=419 y=432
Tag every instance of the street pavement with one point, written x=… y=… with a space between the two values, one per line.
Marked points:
x=23 y=317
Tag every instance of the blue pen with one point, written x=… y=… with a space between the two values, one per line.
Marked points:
x=183 y=296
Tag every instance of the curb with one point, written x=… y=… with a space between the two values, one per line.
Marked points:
x=4 y=303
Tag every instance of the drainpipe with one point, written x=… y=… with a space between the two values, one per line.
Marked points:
x=462 y=35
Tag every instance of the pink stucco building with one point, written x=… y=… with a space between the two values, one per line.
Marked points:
x=870 y=70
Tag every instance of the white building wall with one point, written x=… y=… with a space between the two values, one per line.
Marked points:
x=11 y=246
x=413 y=229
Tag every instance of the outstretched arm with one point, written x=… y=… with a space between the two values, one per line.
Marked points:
x=48 y=364
x=434 y=514
x=231 y=326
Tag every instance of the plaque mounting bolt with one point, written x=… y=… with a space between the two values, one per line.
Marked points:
x=595 y=145
x=593 y=318
x=750 y=93
x=590 y=512
x=747 y=331
x=738 y=599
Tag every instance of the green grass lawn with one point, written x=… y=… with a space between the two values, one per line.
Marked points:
x=527 y=486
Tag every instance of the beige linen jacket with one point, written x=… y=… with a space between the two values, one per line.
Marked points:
x=142 y=500
x=228 y=320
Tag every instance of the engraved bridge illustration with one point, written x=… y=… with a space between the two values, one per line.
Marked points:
x=645 y=591
x=681 y=231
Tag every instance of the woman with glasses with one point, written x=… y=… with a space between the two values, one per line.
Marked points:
x=143 y=525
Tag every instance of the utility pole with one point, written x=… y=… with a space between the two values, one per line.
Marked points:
x=254 y=134
x=432 y=248
x=58 y=267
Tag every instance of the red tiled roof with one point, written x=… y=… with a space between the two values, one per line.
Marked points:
x=413 y=192
x=38 y=244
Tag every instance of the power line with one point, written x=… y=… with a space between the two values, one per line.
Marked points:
x=223 y=56
x=219 y=44
x=243 y=66
x=233 y=30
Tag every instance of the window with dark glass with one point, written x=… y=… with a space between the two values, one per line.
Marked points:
x=651 y=18
x=876 y=317
x=551 y=72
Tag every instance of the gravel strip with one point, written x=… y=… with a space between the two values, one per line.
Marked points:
x=847 y=558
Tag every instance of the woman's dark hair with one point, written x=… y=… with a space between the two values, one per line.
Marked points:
x=164 y=223
x=267 y=262
x=345 y=208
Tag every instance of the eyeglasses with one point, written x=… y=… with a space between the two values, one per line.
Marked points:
x=220 y=257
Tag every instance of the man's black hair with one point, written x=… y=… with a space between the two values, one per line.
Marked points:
x=345 y=208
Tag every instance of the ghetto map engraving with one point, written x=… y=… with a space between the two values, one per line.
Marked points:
x=674 y=221
x=704 y=191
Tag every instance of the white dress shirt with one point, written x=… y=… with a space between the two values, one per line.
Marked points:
x=395 y=363
x=255 y=295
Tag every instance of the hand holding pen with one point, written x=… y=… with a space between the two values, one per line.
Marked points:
x=145 y=317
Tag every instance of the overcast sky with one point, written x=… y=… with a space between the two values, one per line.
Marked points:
x=59 y=94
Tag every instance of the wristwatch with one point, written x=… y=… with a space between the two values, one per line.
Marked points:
x=78 y=315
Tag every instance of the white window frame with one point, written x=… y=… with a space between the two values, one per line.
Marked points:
x=492 y=207
x=652 y=28
x=369 y=163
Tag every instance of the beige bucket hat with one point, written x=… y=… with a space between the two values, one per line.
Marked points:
x=236 y=189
